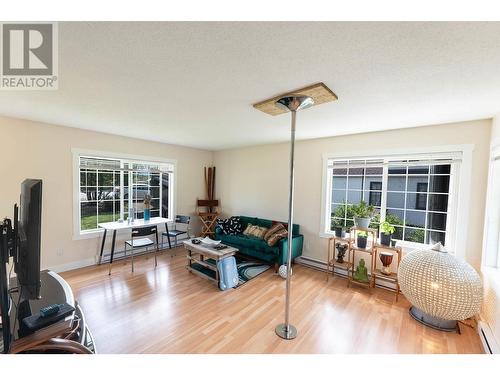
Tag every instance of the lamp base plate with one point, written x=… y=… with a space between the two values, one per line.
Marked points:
x=430 y=321
x=287 y=334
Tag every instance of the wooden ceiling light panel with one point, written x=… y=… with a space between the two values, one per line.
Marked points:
x=319 y=92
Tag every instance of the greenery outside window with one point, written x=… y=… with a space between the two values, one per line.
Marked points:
x=111 y=188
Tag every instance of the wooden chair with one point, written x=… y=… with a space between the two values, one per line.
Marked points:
x=208 y=211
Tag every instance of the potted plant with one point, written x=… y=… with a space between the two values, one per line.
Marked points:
x=362 y=214
x=362 y=239
x=338 y=227
x=386 y=231
x=147 y=207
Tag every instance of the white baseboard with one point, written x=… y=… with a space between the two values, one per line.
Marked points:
x=488 y=340
x=93 y=261
x=321 y=266
x=73 y=265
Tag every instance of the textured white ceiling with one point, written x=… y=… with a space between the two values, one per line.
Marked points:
x=194 y=83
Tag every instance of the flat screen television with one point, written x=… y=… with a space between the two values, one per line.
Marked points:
x=21 y=239
x=27 y=261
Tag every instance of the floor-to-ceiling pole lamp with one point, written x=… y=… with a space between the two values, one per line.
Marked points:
x=293 y=102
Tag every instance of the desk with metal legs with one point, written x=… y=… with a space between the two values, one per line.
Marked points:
x=115 y=226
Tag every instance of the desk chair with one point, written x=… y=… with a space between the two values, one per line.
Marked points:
x=143 y=241
x=208 y=211
x=179 y=219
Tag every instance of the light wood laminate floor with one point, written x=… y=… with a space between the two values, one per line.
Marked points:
x=169 y=310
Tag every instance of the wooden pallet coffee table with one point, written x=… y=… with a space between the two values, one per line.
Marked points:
x=202 y=259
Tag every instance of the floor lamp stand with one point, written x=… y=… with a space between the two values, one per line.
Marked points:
x=293 y=104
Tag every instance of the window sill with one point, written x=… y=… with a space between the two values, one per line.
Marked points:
x=406 y=245
x=88 y=235
x=327 y=234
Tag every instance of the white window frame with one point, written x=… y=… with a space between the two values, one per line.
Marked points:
x=459 y=194
x=78 y=234
x=491 y=235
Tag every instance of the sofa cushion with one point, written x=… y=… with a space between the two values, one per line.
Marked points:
x=242 y=242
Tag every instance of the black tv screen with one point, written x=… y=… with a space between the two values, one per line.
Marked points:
x=27 y=262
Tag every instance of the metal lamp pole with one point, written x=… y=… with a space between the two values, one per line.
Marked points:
x=293 y=104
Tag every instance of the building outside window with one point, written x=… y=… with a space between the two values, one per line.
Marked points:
x=412 y=194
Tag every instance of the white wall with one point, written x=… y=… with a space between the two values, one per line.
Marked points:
x=36 y=150
x=254 y=180
x=491 y=276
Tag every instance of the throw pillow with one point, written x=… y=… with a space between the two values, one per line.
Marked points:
x=235 y=225
x=259 y=232
x=274 y=228
x=222 y=224
x=255 y=231
x=279 y=222
x=248 y=229
x=278 y=233
x=232 y=225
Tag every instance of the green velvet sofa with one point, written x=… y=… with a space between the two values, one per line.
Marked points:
x=258 y=248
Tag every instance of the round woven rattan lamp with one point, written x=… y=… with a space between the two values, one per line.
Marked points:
x=442 y=288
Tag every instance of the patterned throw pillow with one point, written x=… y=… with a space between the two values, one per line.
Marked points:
x=274 y=228
x=232 y=225
x=276 y=233
x=248 y=229
x=255 y=231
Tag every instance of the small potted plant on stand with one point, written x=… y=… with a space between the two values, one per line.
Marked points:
x=147 y=207
x=362 y=239
x=386 y=231
x=338 y=228
x=363 y=214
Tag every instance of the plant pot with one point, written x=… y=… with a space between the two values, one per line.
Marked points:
x=385 y=239
x=339 y=232
x=361 y=241
x=362 y=222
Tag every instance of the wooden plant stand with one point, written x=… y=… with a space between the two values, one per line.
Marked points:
x=377 y=272
x=353 y=249
x=332 y=256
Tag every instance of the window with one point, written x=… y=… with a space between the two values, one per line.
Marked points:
x=111 y=189
x=411 y=193
x=491 y=252
x=352 y=182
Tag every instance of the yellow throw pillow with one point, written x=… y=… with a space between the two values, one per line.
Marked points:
x=255 y=231
x=248 y=229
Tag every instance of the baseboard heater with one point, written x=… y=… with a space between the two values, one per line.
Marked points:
x=321 y=266
x=489 y=342
x=120 y=254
